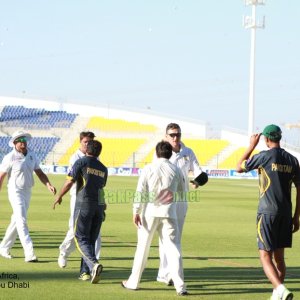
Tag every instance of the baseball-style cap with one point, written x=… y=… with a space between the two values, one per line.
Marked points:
x=272 y=132
x=17 y=135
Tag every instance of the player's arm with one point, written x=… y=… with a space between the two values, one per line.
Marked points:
x=140 y=197
x=254 y=140
x=65 y=188
x=2 y=176
x=201 y=177
x=45 y=180
x=297 y=211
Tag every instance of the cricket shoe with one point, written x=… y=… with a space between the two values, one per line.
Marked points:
x=287 y=295
x=125 y=286
x=84 y=276
x=168 y=282
x=183 y=293
x=95 y=276
x=5 y=254
x=62 y=261
x=31 y=259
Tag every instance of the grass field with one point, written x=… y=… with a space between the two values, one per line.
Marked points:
x=219 y=248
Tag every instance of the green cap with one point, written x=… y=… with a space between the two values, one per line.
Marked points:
x=272 y=132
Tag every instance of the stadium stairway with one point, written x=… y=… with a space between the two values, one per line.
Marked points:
x=67 y=137
x=142 y=152
x=221 y=156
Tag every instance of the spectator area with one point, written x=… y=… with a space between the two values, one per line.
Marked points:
x=32 y=118
x=231 y=161
x=125 y=143
x=117 y=125
x=146 y=160
x=40 y=145
x=116 y=151
x=206 y=150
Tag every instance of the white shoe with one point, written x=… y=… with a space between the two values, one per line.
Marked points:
x=95 y=276
x=5 y=254
x=168 y=282
x=62 y=261
x=124 y=285
x=31 y=258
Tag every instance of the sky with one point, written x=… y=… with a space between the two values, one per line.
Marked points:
x=185 y=58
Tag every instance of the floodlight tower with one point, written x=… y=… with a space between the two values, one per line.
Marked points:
x=251 y=23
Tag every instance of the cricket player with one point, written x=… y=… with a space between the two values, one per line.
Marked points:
x=68 y=244
x=91 y=176
x=185 y=159
x=159 y=185
x=19 y=165
x=277 y=170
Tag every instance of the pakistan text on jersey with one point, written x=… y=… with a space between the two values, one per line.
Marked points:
x=282 y=168
x=95 y=172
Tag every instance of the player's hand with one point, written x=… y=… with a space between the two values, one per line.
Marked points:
x=254 y=139
x=194 y=184
x=51 y=188
x=137 y=220
x=57 y=201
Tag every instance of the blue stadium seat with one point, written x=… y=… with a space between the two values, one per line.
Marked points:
x=40 y=145
x=31 y=118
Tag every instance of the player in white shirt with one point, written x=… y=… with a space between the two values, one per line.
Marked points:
x=19 y=165
x=154 y=210
x=68 y=244
x=185 y=159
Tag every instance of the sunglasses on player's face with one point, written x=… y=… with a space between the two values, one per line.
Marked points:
x=21 y=140
x=173 y=135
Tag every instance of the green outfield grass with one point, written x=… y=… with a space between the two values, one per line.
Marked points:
x=219 y=248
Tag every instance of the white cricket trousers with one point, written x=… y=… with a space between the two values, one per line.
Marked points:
x=19 y=201
x=164 y=270
x=68 y=244
x=168 y=231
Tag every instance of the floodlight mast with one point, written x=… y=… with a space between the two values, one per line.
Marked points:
x=251 y=23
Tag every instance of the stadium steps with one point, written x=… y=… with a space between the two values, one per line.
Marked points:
x=68 y=136
x=222 y=156
x=141 y=153
x=231 y=161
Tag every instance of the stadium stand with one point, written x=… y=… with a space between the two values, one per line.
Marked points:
x=231 y=161
x=116 y=151
x=206 y=150
x=32 y=118
x=128 y=137
x=117 y=125
x=41 y=146
x=146 y=160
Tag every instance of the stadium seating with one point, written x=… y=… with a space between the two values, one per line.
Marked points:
x=115 y=153
x=148 y=159
x=206 y=150
x=40 y=145
x=125 y=143
x=231 y=161
x=32 y=118
x=118 y=125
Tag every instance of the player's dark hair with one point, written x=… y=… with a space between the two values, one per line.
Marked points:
x=163 y=149
x=172 y=126
x=84 y=134
x=94 y=148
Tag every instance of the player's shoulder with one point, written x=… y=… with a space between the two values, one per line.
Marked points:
x=186 y=151
x=76 y=155
x=9 y=155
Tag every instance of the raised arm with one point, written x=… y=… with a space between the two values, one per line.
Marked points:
x=254 y=140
